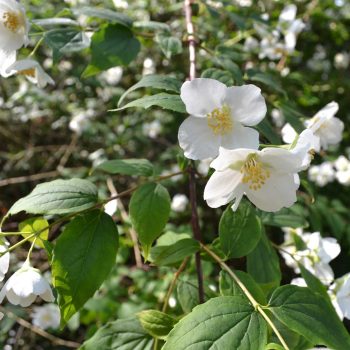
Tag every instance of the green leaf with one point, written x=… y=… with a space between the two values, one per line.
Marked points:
x=310 y=315
x=65 y=40
x=292 y=116
x=83 y=256
x=58 y=197
x=176 y=248
x=149 y=212
x=266 y=79
x=239 y=231
x=170 y=45
x=104 y=14
x=112 y=45
x=163 y=100
x=218 y=74
x=158 y=324
x=263 y=265
x=187 y=293
x=33 y=225
x=227 y=63
x=123 y=334
x=220 y=323
x=273 y=346
x=139 y=167
x=152 y=26
x=229 y=287
x=268 y=131
x=283 y=218
x=313 y=282
x=51 y=22
x=161 y=82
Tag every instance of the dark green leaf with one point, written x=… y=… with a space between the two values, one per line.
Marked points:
x=263 y=265
x=112 y=45
x=170 y=45
x=229 y=287
x=220 y=323
x=266 y=79
x=139 y=167
x=218 y=74
x=283 y=218
x=83 y=256
x=310 y=315
x=152 y=26
x=58 y=197
x=123 y=334
x=267 y=130
x=161 y=82
x=149 y=212
x=187 y=293
x=163 y=100
x=239 y=231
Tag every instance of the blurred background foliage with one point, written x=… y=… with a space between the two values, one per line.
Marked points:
x=64 y=130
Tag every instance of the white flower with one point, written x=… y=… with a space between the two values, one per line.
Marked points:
x=120 y=4
x=148 y=66
x=203 y=166
x=326 y=126
x=340 y=291
x=80 y=122
x=152 y=129
x=271 y=47
x=277 y=117
x=298 y=281
x=14 y=26
x=6 y=60
x=323 y=124
x=219 y=116
x=341 y=60
x=111 y=207
x=268 y=178
x=4 y=259
x=23 y=287
x=342 y=163
x=250 y=44
x=342 y=166
x=290 y=26
x=179 y=203
x=321 y=174
x=32 y=70
x=46 y=316
x=113 y=75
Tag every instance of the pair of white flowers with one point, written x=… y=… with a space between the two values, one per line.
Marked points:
x=14 y=28
x=220 y=125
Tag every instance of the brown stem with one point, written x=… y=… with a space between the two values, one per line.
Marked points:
x=192 y=178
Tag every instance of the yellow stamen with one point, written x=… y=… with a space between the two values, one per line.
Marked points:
x=254 y=172
x=27 y=72
x=220 y=121
x=13 y=21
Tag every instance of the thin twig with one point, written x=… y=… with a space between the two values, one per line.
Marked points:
x=68 y=152
x=53 y=339
x=254 y=303
x=192 y=179
x=125 y=217
x=28 y=178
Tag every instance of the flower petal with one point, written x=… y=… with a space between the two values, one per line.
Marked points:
x=197 y=140
x=201 y=96
x=282 y=160
x=241 y=137
x=277 y=192
x=222 y=187
x=247 y=104
x=229 y=157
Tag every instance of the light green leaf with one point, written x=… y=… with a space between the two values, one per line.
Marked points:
x=187 y=293
x=283 y=218
x=229 y=287
x=161 y=82
x=170 y=45
x=149 y=212
x=239 y=231
x=51 y=22
x=123 y=334
x=104 y=14
x=263 y=265
x=112 y=45
x=152 y=26
x=179 y=246
x=220 y=323
x=33 y=225
x=163 y=100
x=58 y=197
x=310 y=315
x=218 y=74
x=139 y=167
x=158 y=324
x=83 y=256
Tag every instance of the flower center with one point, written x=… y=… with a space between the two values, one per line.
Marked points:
x=220 y=121
x=27 y=72
x=12 y=21
x=254 y=172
